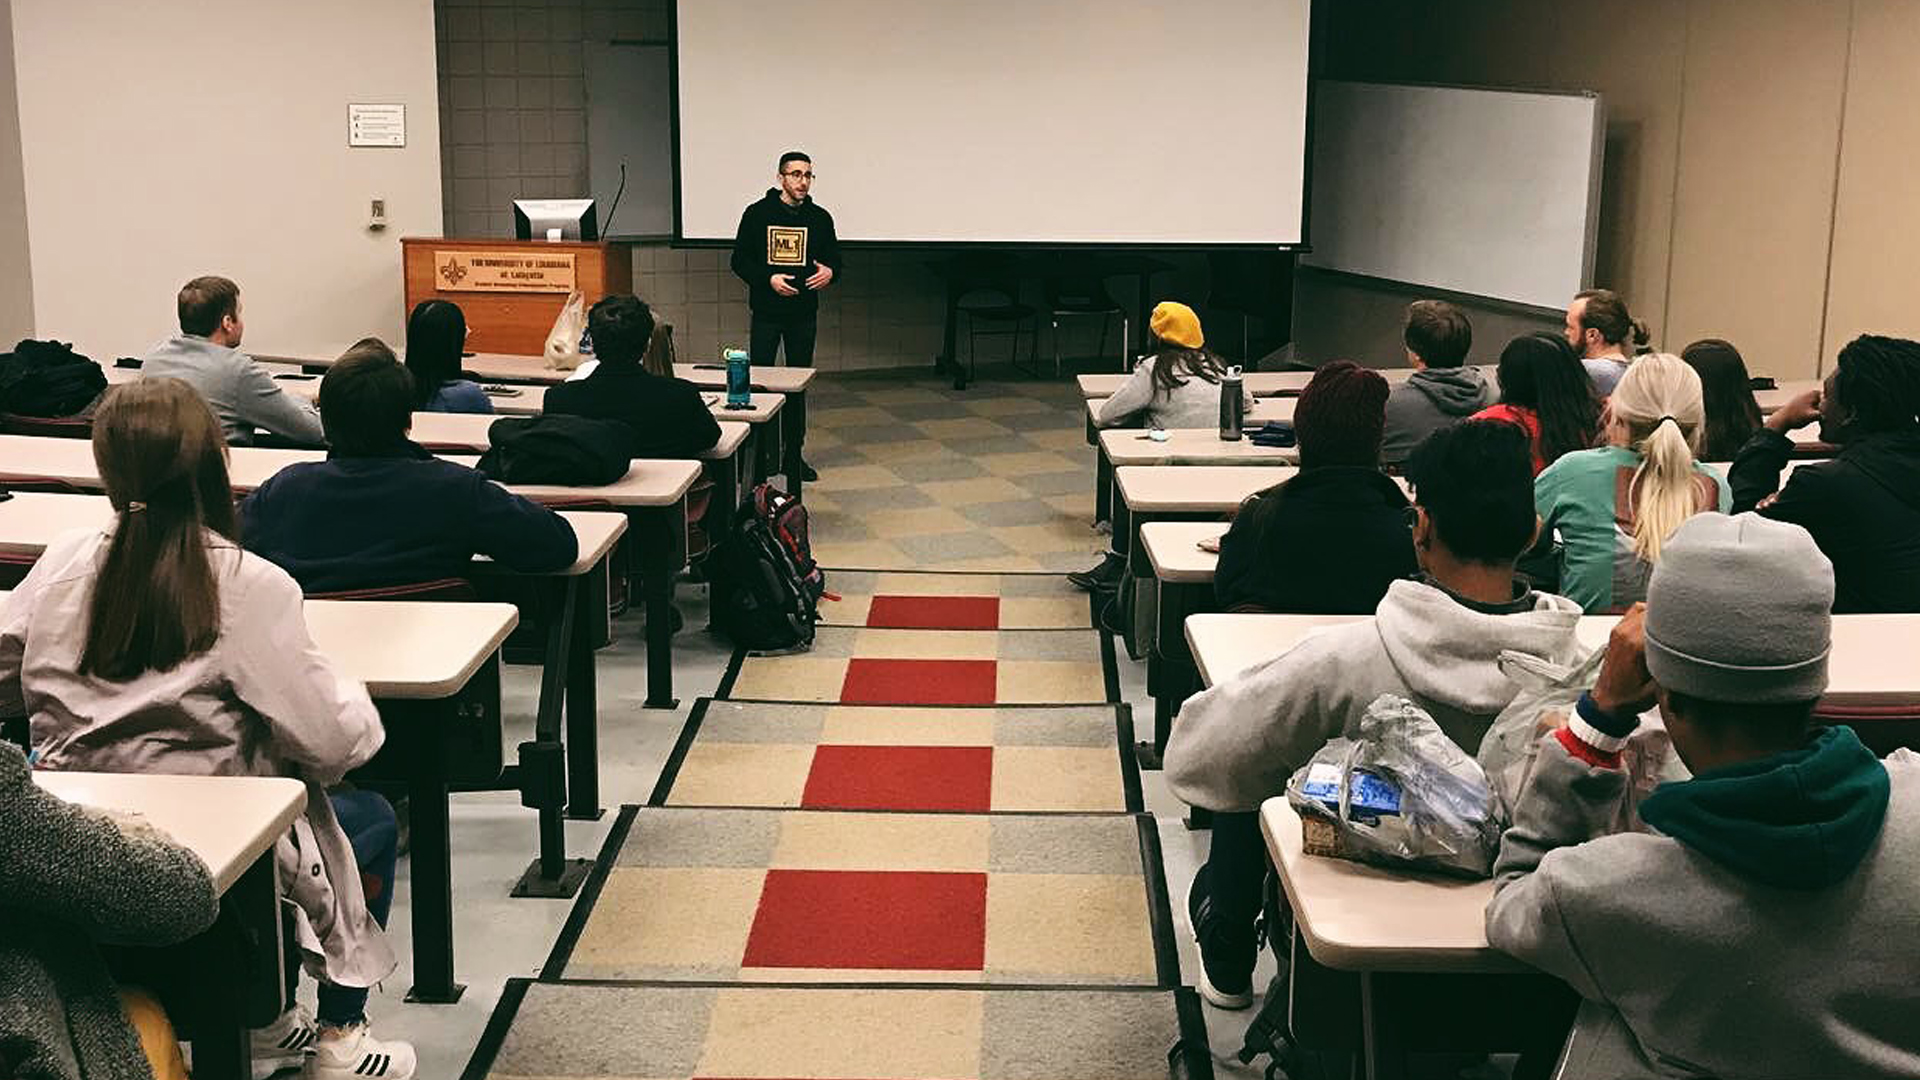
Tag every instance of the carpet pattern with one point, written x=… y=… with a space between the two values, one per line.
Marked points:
x=822 y=896
x=920 y=476
x=680 y=1032
x=846 y=757
x=861 y=666
x=909 y=600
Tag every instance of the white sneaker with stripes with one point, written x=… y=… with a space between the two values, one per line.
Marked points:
x=283 y=1044
x=343 y=1053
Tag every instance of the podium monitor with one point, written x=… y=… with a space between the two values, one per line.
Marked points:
x=554 y=219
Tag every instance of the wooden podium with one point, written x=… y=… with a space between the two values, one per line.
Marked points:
x=512 y=290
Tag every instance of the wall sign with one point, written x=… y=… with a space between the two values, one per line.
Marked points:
x=503 y=271
x=376 y=125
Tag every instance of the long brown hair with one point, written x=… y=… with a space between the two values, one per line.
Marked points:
x=156 y=599
x=1172 y=363
x=658 y=359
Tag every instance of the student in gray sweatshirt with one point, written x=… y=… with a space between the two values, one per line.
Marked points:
x=1768 y=927
x=1440 y=391
x=1435 y=639
x=206 y=356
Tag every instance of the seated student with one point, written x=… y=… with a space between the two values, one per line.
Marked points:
x=73 y=877
x=1440 y=391
x=1615 y=506
x=1599 y=329
x=1767 y=928
x=436 y=337
x=157 y=645
x=1863 y=507
x=380 y=510
x=1177 y=384
x=668 y=417
x=1545 y=391
x=1435 y=639
x=206 y=356
x=1732 y=413
x=1330 y=540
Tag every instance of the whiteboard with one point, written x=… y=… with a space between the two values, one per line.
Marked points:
x=630 y=120
x=1492 y=193
x=1001 y=121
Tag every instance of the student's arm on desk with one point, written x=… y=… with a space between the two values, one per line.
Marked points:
x=321 y=720
x=118 y=884
x=518 y=533
x=261 y=402
x=1237 y=743
x=1131 y=399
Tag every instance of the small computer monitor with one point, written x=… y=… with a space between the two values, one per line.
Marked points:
x=554 y=219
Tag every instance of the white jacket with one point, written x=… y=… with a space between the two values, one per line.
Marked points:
x=1237 y=743
x=262 y=701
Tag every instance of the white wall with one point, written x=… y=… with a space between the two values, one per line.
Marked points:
x=162 y=141
x=16 y=279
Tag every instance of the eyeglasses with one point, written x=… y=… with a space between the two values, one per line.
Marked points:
x=796 y=175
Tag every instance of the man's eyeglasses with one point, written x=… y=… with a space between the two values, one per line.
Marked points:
x=793 y=174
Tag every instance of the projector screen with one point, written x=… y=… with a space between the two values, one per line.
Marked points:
x=1000 y=121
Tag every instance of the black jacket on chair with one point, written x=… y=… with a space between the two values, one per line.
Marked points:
x=667 y=417
x=1327 y=542
x=1863 y=509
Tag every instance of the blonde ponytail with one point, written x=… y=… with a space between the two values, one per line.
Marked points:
x=1659 y=403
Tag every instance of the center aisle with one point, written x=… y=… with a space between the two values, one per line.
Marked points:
x=915 y=851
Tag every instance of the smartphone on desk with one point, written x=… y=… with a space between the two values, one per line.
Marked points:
x=500 y=391
x=294 y=377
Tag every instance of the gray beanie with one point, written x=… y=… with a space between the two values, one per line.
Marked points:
x=1739 y=609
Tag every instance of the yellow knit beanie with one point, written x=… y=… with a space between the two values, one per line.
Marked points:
x=1176 y=323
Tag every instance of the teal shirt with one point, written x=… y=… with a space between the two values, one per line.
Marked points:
x=1584 y=497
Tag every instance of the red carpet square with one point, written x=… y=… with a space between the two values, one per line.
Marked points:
x=913 y=921
x=900 y=778
x=919 y=682
x=935 y=612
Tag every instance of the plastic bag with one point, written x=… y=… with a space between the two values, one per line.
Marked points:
x=1548 y=694
x=563 y=341
x=1400 y=794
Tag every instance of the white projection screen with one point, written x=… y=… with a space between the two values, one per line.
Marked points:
x=1000 y=121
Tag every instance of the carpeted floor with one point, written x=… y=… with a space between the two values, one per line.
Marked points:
x=850 y=757
x=646 y=1032
x=821 y=896
x=858 y=666
x=916 y=600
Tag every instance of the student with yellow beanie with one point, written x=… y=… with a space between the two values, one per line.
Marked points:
x=1176 y=385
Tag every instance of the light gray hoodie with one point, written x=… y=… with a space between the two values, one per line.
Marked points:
x=1236 y=744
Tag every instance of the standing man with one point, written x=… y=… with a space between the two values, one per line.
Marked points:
x=786 y=252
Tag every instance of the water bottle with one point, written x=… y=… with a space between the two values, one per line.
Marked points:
x=739 y=378
x=1232 y=406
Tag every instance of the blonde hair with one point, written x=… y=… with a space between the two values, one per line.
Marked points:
x=1659 y=405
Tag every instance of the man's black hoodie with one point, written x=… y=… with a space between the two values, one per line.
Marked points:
x=751 y=249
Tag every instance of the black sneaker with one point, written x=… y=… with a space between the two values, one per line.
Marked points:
x=1105 y=576
x=807 y=475
x=1226 y=972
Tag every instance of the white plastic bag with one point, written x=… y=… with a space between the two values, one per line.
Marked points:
x=1400 y=793
x=563 y=341
x=1548 y=695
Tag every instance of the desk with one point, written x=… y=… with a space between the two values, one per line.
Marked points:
x=1783 y=392
x=1125 y=447
x=1264 y=409
x=232 y=824
x=1258 y=383
x=434 y=671
x=1182 y=585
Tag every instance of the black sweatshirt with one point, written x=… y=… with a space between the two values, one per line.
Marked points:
x=668 y=417
x=800 y=230
x=366 y=522
x=1327 y=542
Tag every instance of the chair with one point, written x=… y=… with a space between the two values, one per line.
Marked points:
x=438 y=589
x=1884 y=728
x=1078 y=292
x=990 y=292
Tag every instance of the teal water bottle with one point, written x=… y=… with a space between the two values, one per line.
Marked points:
x=739 y=379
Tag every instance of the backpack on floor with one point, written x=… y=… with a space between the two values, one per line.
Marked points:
x=766 y=587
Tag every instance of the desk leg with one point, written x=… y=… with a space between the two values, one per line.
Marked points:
x=794 y=416
x=432 y=866
x=222 y=1048
x=654 y=542
x=1102 y=486
x=1386 y=1059
x=583 y=693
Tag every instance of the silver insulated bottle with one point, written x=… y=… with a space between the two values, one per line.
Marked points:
x=1232 y=405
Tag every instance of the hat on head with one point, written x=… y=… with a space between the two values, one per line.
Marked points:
x=1341 y=415
x=1739 y=609
x=1175 y=322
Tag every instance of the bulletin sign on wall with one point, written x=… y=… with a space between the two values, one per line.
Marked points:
x=503 y=271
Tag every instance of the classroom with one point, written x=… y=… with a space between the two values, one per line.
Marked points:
x=858 y=539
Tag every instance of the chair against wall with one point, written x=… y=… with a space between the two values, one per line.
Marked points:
x=989 y=292
x=1076 y=290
